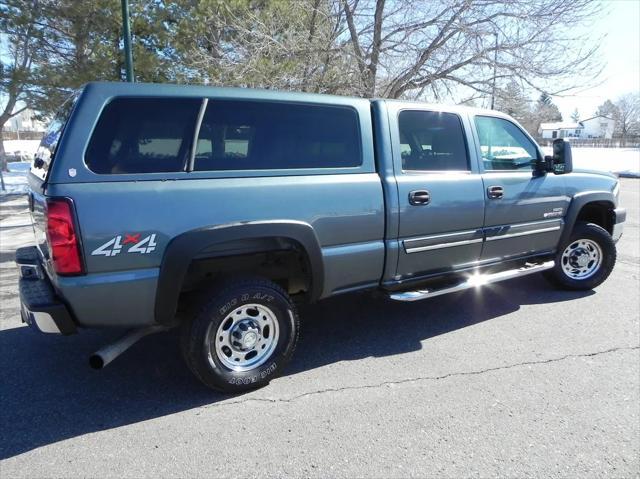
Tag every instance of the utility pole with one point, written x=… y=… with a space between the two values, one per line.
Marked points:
x=128 y=56
x=495 y=64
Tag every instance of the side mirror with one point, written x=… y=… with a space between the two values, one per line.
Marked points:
x=542 y=167
x=562 y=159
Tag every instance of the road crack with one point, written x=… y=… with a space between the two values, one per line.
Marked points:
x=424 y=378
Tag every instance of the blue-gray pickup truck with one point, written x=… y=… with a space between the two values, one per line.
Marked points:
x=218 y=210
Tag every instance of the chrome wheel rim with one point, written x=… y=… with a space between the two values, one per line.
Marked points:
x=245 y=339
x=581 y=259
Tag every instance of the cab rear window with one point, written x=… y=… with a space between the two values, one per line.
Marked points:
x=432 y=141
x=143 y=135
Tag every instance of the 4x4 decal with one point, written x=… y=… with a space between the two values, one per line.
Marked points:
x=115 y=245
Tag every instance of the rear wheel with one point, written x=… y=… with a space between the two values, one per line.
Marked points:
x=585 y=260
x=242 y=337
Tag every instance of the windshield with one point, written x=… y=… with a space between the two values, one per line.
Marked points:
x=47 y=148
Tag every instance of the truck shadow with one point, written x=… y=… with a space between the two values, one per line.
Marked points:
x=49 y=394
x=359 y=326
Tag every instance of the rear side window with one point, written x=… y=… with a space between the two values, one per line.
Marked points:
x=49 y=143
x=255 y=135
x=143 y=135
x=432 y=141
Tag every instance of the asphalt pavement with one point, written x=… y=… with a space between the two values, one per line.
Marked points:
x=517 y=379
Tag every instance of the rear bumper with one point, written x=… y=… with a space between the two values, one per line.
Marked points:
x=40 y=307
x=619 y=217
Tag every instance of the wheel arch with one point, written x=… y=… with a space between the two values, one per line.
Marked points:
x=594 y=206
x=186 y=247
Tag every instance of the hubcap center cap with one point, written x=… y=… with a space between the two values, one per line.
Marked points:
x=583 y=260
x=249 y=339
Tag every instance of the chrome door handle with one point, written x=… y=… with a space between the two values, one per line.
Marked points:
x=495 y=192
x=419 y=197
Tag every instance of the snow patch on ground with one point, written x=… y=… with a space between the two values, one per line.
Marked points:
x=25 y=147
x=621 y=161
x=15 y=181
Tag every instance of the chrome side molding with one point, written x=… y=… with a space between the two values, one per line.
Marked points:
x=523 y=233
x=473 y=281
x=441 y=245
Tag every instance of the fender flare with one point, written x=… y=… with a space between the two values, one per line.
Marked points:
x=577 y=203
x=182 y=249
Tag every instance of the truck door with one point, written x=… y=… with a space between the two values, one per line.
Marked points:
x=441 y=196
x=524 y=212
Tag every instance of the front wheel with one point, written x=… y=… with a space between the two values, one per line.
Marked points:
x=242 y=337
x=585 y=260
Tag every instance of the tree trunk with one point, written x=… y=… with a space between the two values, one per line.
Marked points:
x=312 y=32
x=3 y=157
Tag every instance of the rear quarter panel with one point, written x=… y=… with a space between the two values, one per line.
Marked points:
x=345 y=207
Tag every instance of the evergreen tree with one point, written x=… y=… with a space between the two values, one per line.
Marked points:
x=82 y=42
x=545 y=111
x=512 y=101
x=545 y=99
x=575 y=116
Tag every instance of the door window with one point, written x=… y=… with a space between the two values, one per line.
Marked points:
x=503 y=145
x=432 y=141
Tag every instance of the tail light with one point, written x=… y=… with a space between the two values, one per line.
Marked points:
x=64 y=242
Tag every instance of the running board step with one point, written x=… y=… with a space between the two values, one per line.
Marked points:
x=474 y=281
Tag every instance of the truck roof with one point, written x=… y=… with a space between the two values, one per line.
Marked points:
x=187 y=91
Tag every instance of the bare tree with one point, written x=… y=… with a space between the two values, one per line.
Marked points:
x=402 y=48
x=18 y=22
x=607 y=109
x=279 y=44
x=628 y=116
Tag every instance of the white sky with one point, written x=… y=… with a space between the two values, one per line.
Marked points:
x=621 y=54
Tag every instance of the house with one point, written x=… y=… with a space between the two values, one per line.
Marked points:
x=598 y=127
x=595 y=127
x=25 y=121
x=561 y=129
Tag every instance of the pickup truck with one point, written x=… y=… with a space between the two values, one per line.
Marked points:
x=218 y=210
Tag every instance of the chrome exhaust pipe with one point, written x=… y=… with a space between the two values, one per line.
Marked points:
x=108 y=353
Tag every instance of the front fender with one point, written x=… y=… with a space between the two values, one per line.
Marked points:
x=182 y=249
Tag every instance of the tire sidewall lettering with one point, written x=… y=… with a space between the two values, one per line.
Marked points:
x=254 y=378
x=245 y=298
x=228 y=306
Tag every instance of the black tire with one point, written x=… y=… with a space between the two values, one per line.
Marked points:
x=203 y=359
x=592 y=232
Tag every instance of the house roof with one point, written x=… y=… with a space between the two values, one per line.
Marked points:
x=597 y=116
x=561 y=125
